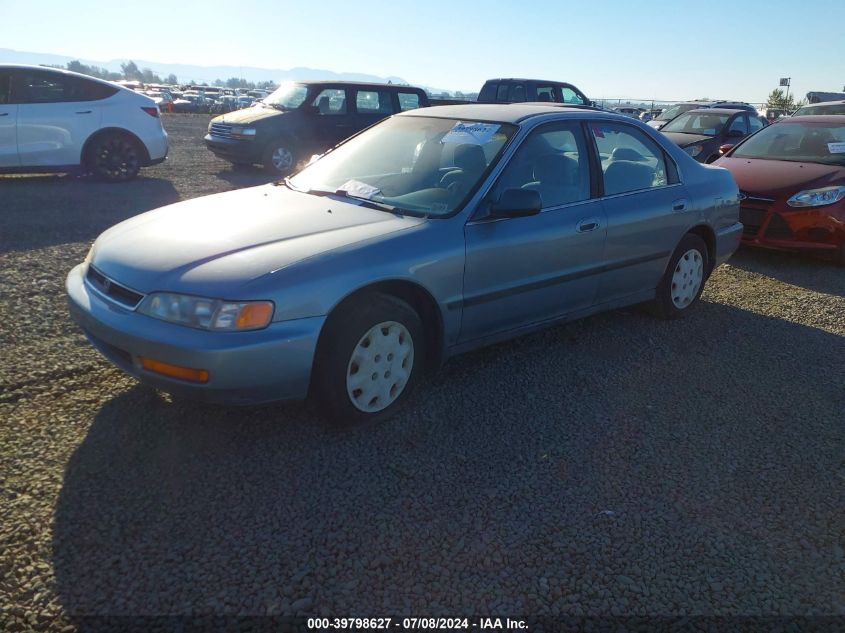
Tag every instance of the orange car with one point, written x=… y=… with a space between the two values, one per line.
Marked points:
x=791 y=178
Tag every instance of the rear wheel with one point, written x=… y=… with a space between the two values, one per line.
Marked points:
x=369 y=359
x=114 y=157
x=683 y=281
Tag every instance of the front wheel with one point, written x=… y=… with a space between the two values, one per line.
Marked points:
x=114 y=158
x=682 y=284
x=368 y=360
x=279 y=158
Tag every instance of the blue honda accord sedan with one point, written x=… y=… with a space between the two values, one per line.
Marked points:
x=436 y=231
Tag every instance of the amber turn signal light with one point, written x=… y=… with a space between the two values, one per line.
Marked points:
x=174 y=371
x=254 y=315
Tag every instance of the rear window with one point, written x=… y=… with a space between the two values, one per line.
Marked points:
x=834 y=108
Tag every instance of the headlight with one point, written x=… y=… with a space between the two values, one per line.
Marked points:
x=243 y=132
x=817 y=197
x=207 y=314
x=694 y=150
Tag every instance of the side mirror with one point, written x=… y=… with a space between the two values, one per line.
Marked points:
x=724 y=149
x=516 y=203
x=736 y=134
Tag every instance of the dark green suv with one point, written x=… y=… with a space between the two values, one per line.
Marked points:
x=305 y=118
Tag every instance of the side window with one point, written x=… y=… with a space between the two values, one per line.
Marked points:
x=502 y=92
x=754 y=124
x=4 y=88
x=630 y=161
x=553 y=161
x=570 y=96
x=517 y=93
x=546 y=93
x=373 y=102
x=32 y=86
x=84 y=90
x=739 y=125
x=408 y=101
x=331 y=101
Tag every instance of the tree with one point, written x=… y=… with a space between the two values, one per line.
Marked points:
x=778 y=99
x=149 y=77
x=171 y=79
x=130 y=71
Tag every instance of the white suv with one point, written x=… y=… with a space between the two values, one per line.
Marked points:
x=55 y=120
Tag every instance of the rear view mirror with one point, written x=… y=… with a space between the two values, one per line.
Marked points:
x=516 y=203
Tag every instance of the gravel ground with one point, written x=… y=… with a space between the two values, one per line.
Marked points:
x=616 y=465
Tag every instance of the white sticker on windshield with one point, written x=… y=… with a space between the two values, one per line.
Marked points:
x=471 y=133
x=836 y=148
x=359 y=189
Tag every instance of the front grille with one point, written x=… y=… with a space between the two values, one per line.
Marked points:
x=222 y=130
x=752 y=220
x=113 y=290
x=778 y=229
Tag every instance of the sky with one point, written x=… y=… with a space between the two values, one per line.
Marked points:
x=652 y=49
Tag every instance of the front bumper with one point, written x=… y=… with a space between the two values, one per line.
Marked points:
x=814 y=229
x=235 y=150
x=244 y=367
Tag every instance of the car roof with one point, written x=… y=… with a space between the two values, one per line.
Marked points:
x=542 y=81
x=329 y=82
x=716 y=110
x=823 y=103
x=815 y=118
x=506 y=112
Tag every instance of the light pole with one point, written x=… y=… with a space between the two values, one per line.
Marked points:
x=785 y=81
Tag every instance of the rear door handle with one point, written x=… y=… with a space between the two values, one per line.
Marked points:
x=4 y=114
x=84 y=112
x=585 y=226
x=679 y=205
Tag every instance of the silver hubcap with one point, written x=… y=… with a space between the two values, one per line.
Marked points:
x=282 y=158
x=687 y=278
x=380 y=367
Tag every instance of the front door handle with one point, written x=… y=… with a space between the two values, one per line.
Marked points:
x=4 y=114
x=585 y=226
x=84 y=112
x=679 y=205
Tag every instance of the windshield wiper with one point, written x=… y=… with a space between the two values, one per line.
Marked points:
x=367 y=202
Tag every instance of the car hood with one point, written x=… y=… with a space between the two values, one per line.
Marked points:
x=682 y=140
x=216 y=245
x=247 y=115
x=778 y=178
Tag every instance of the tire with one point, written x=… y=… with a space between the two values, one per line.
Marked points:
x=279 y=157
x=359 y=379
x=682 y=283
x=114 y=157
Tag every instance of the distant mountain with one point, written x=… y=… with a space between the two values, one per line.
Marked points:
x=202 y=74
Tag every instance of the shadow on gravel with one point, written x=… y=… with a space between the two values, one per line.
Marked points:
x=661 y=468
x=246 y=176
x=41 y=211
x=797 y=269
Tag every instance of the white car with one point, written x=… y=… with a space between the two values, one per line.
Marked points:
x=56 y=120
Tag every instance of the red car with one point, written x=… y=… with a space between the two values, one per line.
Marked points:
x=791 y=178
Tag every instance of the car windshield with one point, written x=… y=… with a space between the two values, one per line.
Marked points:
x=674 y=111
x=797 y=141
x=288 y=96
x=834 y=108
x=704 y=123
x=409 y=164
